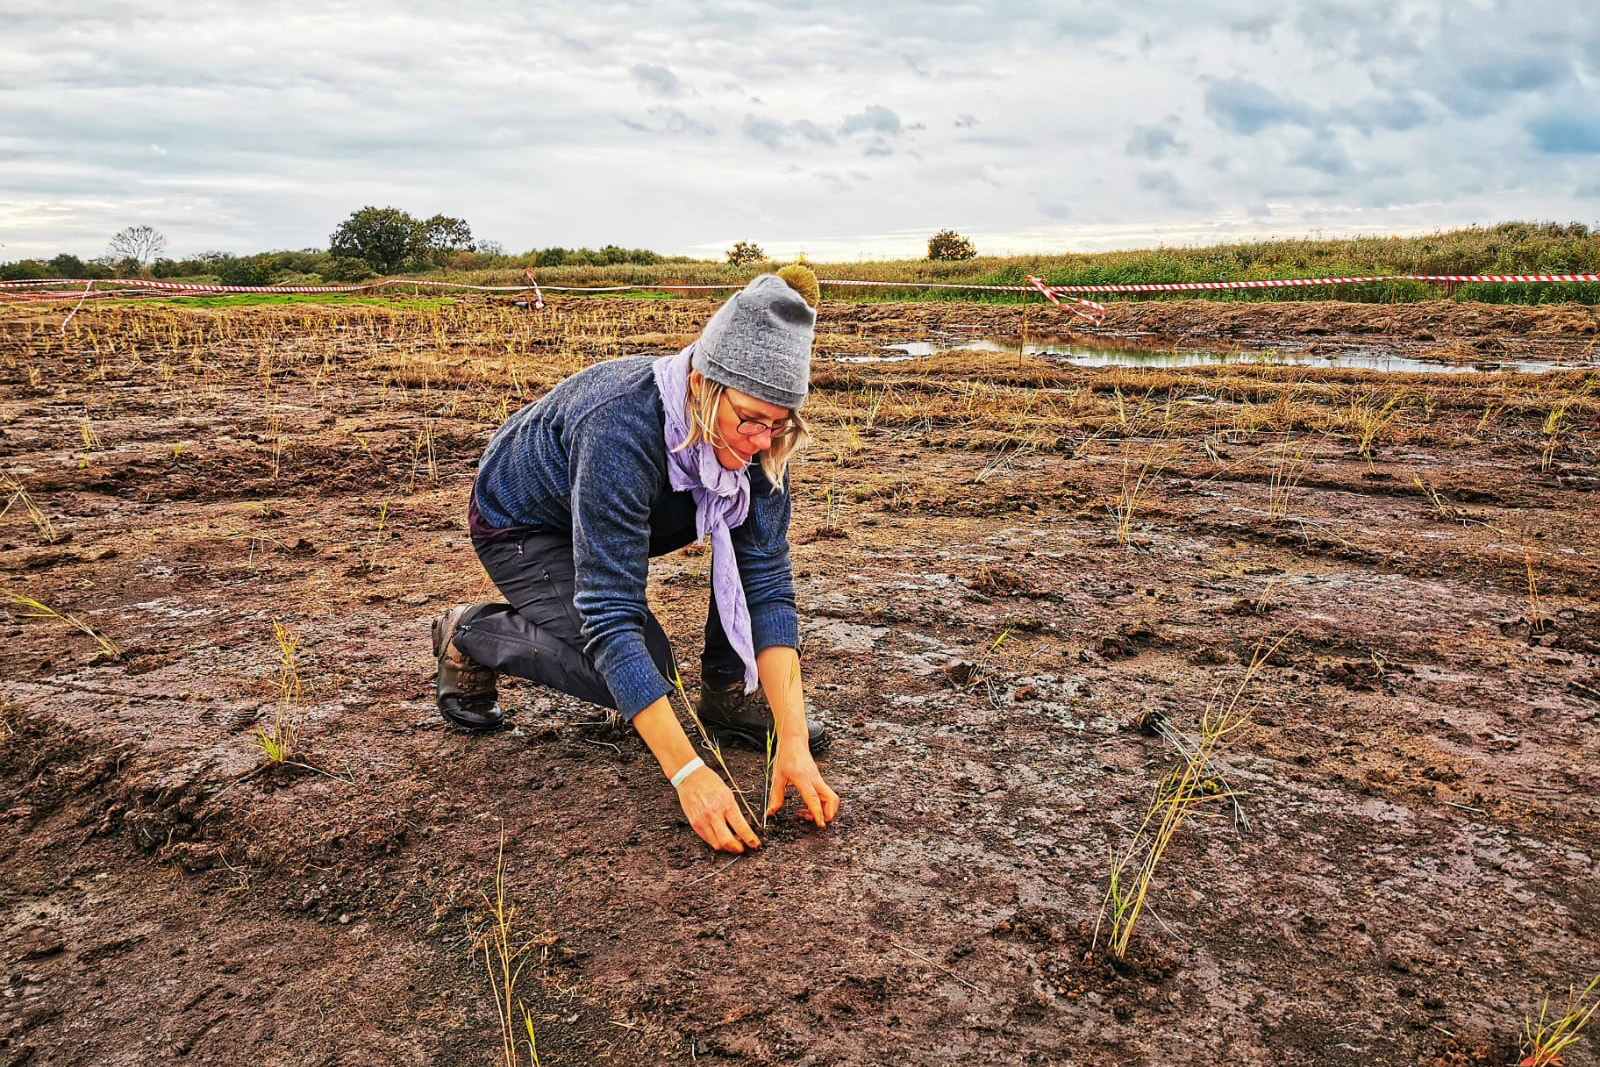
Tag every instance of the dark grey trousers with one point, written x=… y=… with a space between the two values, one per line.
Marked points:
x=536 y=634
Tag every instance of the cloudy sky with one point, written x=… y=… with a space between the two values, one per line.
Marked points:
x=841 y=128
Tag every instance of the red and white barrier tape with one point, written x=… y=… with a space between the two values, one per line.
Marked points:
x=1299 y=283
x=1060 y=295
x=1096 y=313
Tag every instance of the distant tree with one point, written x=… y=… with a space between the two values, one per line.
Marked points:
x=385 y=238
x=442 y=234
x=948 y=244
x=67 y=266
x=491 y=248
x=246 y=270
x=138 y=243
x=345 y=269
x=23 y=269
x=744 y=253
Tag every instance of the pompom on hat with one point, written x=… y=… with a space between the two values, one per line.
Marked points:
x=759 y=341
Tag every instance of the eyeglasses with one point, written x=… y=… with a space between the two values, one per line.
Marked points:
x=751 y=427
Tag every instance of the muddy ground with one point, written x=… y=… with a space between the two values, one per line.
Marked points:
x=990 y=632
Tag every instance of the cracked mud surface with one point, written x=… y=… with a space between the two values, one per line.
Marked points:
x=1420 y=776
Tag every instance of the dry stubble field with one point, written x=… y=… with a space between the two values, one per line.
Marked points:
x=1015 y=577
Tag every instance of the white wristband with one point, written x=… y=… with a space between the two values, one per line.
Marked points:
x=686 y=770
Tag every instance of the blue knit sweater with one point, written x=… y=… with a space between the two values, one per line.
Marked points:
x=590 y=459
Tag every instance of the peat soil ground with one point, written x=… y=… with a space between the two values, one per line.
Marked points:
x=1002 y=569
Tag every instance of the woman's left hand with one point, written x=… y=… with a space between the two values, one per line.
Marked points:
x=796 y=768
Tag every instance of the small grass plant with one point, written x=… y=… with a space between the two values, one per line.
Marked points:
x=1545 y=1040
x=1554 y=427
x=771 y=757
x=1190 y=790
x=1139 y=473
x=1368 y=419
x=981 y=673
x=29 y=608
x=367 y=552
x=16 y=495
x=506 y=953
x=1287 y=462
x=1538 y=621
x=281 y=743
x=1441 y=510
x=423 y=455
x=712 y=745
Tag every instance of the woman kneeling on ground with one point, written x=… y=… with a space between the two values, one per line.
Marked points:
x=633 y=458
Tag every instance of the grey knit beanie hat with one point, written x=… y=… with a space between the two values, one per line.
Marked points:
x=759 y=342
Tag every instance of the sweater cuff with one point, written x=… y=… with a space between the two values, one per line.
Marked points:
x=635 y=683
x=774 y=626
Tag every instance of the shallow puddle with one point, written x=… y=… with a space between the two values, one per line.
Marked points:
x=1085 y=356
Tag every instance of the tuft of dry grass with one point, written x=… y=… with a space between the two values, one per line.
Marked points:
x=15 y=494
x=29 y=608
x=1189 y=790
x=1538 y=621
x=1140 y=469
x=506 y=954
x=1367 y=420
x=1287 y=462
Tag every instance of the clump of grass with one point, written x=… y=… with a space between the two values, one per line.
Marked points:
x=1368 y=420
x=1191 y=789
x=505 y=956
x=261 y=541
x=281 y=744
x=1554 y=427
x=367 y=553
x=29 y=608
x=1546 y=1040
x=15 y=494
x=1138 y=475
x=1538 y=621
x=979 y=671
x=1287 y=463
x=422 y=455
x=1441 y=510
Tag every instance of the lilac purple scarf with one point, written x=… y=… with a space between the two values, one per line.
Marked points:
x=721 y=502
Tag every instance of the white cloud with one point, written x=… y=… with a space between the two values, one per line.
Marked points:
x=831 y=125
x=873 y=119
x=657 y=79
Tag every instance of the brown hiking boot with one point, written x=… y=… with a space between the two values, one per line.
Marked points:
x=466 y=691
x=746 y=721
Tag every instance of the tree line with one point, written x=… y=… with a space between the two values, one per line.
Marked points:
x=373 y=241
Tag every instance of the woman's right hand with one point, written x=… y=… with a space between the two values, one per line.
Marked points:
x=714 y=812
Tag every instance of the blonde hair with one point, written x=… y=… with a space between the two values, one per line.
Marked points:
x=702 y=411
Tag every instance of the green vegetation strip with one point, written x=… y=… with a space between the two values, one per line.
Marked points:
x=1506 y=248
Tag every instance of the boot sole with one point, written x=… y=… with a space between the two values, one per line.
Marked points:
x=438 y=629
x=472 y=727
